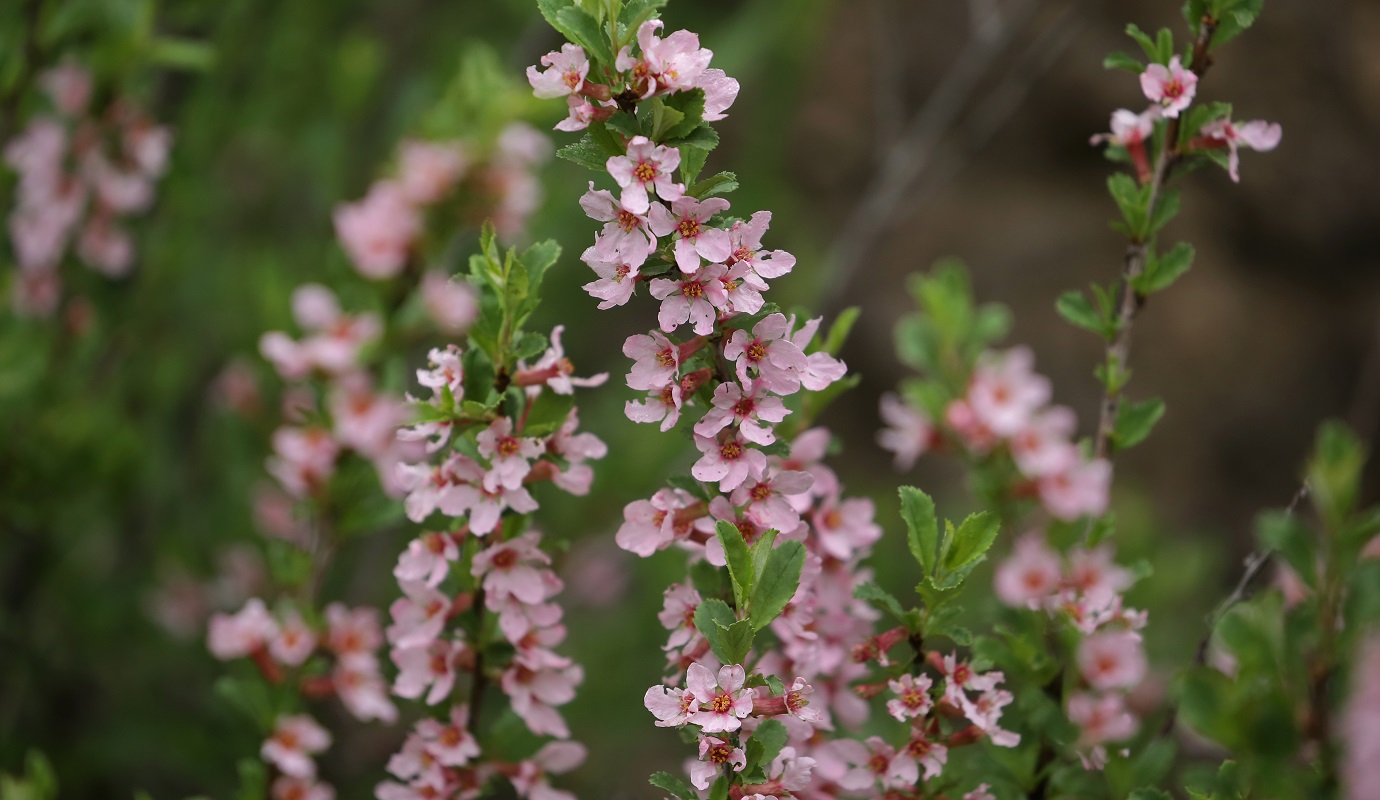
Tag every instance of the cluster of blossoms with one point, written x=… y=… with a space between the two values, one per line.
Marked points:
x=1085 y=589
x=382 y=231
x=1170 y=90
x=339 y=658
x=1006 y=407
x=79 y=172
x=450 y=580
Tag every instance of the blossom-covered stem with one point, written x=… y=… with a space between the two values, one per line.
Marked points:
x=1130 y=301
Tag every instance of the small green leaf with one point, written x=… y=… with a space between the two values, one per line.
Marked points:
x=585 y=30
x=670 y=783
x=1123 y=61
x=1131 y=199
x=739 y=561
x=1143 y=39
x=722 y=183
x=922 y=529
x=547 y=414
x=880 y=598
x=1165 y=268
x=712 y=617
x=1166 y=208
x=586 y=153
x=1282 y=532
x=838 y=332
x=691 y=163
x=703 y=137
x=972 y=540
x=1136 y=420
x=1334 y=472
x=719 y=791
x=766 y=743
x=1075 y=307
x=761 y=550
x=736 y=641
x=777 y=584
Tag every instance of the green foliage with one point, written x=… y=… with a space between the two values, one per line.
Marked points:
x=1163 y=269
x=950 y=330
x=1075 y=307
x=1334 y=473
x=777 y=583
x=1134 y=421
x=670 y=783
x=922 y=527
x=38 y=782
x=764 y=746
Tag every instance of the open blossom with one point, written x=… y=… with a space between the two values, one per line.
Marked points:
x=617 y=262
x=680 y=602
x=767 y=497
x=645 y=170
x=294 y=641
x=662 y=405
x=912 y=697
x=1171 y=87
x=671 y=706
x=821 y=368
x=451 y=304
x=656 y=361
x=650 y=525
x=694 y=298
x=845 y=526
x=427 y=559
x=908 y=434
x=688 y=218
x=751 y=409
x=1081 y=489
x=1257 y=135
x=564 y=74
x=377 y=231
x=727 y=459
x=620 y=221
x=534 y=694
x=363 y=691
x=287 y=787
x=515 y=568
x=769 y=352
x=919 y=753
x=1005 y=392
x=428 y=667
x=555 y=758
x=1131 y=131
x=509 y=456
x=1044 y=445
x=1112 y=660
x=1030 y=574
x=238 y=635
x=799 y=704
x=427 y=171
x=745 y=243
x=558 y=373
x=1100 y=718
x=723 y=700
x=715 y=753
x=418 y=616
x=294 y=740
x=867 y=762
x=719 y=93
x=676 y=63
x=575 y=448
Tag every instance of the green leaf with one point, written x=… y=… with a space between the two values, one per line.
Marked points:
x=1143 y=39
x=551 y=11
x=547 y=414
x=722 y=183
x=1123 y=61
x=922 y=529
x=777 y=584
x=703 y=137
x=1149 y=793
x=838 y=332
x=178 y=53
x=586 y=153
x=634 y=13
x=1135 y=421
x=1164 y=45
x=585 y=30
x=761 y=550
x=1281 y=532
x=972 y=540
x=736 y=641
x=1235 y=17
x=712 y=617
x=688 y=108
x=719 y=791
x=1162 y=270
x=765 y=744
x=253 y=780
x=1334 y=472
x=1131 y=199
x=739 y=560
x=1166 y=208
x=880 y=598
x=670 y=783
x=1075 y=307
x=537 y=259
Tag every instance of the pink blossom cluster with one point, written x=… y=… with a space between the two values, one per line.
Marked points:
x=1085 y=589
x=676 y=63
x=438 y=622
x=1171 y=89
x=344 y=663
x=80 y=173
x=382 y=231
x=1006 y=409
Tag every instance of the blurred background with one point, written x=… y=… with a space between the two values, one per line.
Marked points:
x=882 y=134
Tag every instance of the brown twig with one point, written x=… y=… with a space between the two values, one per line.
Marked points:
x=1130 y=301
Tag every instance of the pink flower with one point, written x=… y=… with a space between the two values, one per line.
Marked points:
x=798 y=702
x=427 y=559
x=752 y=410
x=105 y=246
x=352 y=633
x=650 y=525
x=821 y=369
x=795 y=773
x=1030 y=575
x=555 y=758
x=672 y=707
x=364 y=420
x=723 y=700
x=767 y=497
x=985 y=713
x=431 y=665
x=868 y=762
x=575 y=448
x=69 y=87
x=1129 y=129
x=960 y=677
x=680 y=602
x=917 y=753
x=1359 y=728
x=427 y=171
x=693 y=299
x=620 y=221
x=509 y=456
x=295 y=738
x=293 y=642
x=1081 y=489
x=564 y=74
x=238 y=635
x=1171 y=87
x=689 y=218
x=1043 y=446
x=719 y=93
x=515 y=568
x=845 y=527
x=1257 y=135
x=728 y=460
x=303 y=460
x=362 y=690
x=656 y=361
x=912 y=697
x=534 y=693
x=745 y=241
x=617 y=262
x=662 y=405
x=418 y=616
x=450 y=303
x=489 y=507
x=646 y=169
x=743 y=290
x=450 y=487
x=908 y=434
x=287 y=787
x=447 y=371
x=1112 y=660
x=557 y=370
x=769 y=352
x=714 y=754
x=1094 y=575
x=378 y=230
x=1102 y=718
x=582 y=112
x=1005 y=393
x=980 y=793
x=452 y=744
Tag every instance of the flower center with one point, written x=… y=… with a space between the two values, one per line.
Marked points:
x=913 y=699
x=572 y=79
x=692 y=290
x=756 y=351
x=644 y=172
x=668 y=395
x=665 y=358
x=450 y=736
x=877 y=763
x=919 y=748
x=719 y=753
x=507 y=446
x=627 y=220
x=730 y=450
x=621 y=273
x=745 y=407
x=761 y=492
x=438 y=664
x=721 y=704
x=288 y=740
x=1174 y=89
x=504 y=559
x=688 y=228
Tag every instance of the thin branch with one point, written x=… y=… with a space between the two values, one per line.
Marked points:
x=888 y=92
x=1133 y=261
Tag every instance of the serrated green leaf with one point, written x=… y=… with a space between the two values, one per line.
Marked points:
x=722 y=183
x=777 y=584
x=972 y=540
x=922 y=529
x=585 y=30
x=1165 y=268
x=719 y=791
x=736 y=641
x=766 y=743
x=761 y=550
x=1166 y=208
x=691 y=163
x=880 y=598
x=670 y=783
x=1143 y=39
x=586 y=153
x=711 y=618
x=1131 y=200
x=739 y=560
x=1075 y=307
x=1135 y=421
x=703 y=137
x=551 y=10
x=547 y=414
